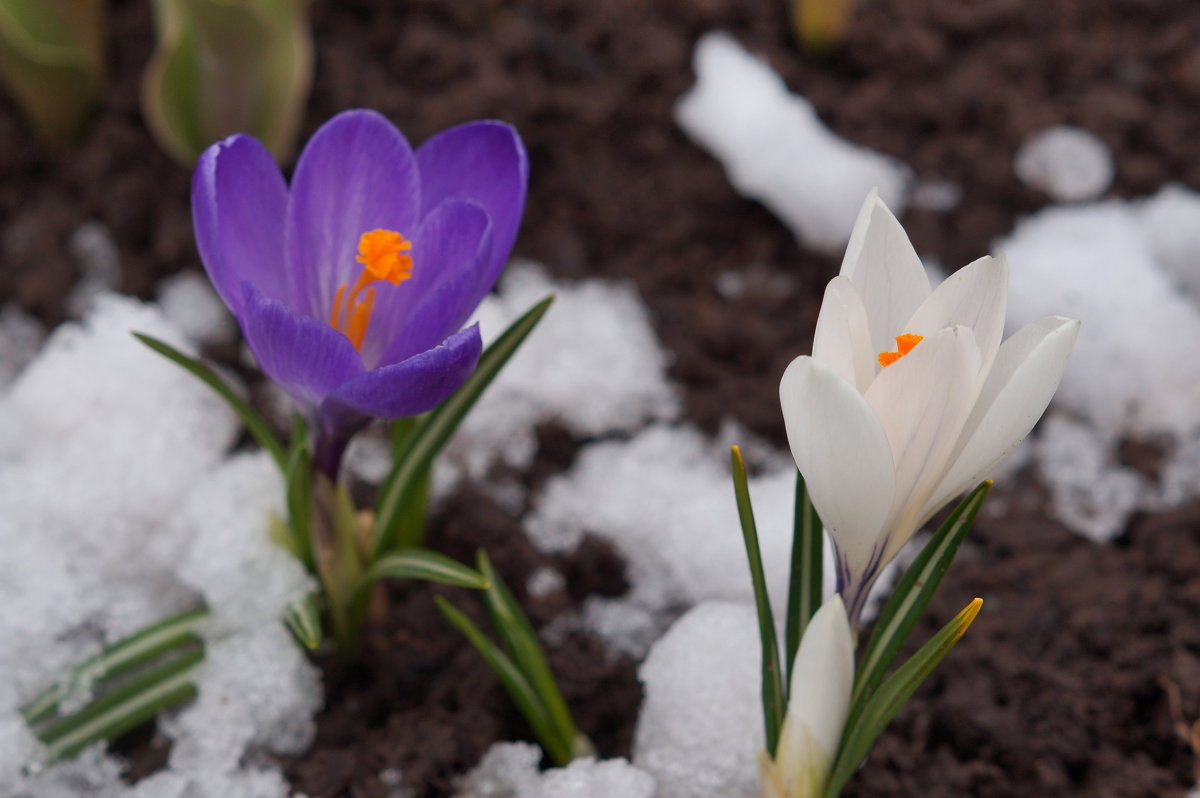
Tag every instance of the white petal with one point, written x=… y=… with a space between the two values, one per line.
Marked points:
x=885 y=269
x=975 y=296
x=843 y=453
x=1018 y=389
x=843 y=337
x=819 y=699
x=922 y=400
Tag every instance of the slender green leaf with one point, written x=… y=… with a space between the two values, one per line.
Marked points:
x=397 y=492
x=423 y=564
x=807 y=579
x=403 y=432
x=518 y=687
x=117 y=660
x=912 y=595
x=141 y=698
x=299 y=483
x=410 y=525
x=303 y=618
x=774 y=702
x=522 y=643
x=255 y=423
x=892 y=695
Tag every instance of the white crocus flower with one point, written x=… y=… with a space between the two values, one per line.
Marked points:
x=818 y=703
x=909 y=397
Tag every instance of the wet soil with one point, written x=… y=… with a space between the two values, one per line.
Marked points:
x=1083 y=669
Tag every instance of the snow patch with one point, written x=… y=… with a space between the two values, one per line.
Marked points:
x=1135 y=372
x=1068 y=163
x=701 y=725
x=593 y=364
x=116 y=457
x=776 y=150
x=510 y=770
x=191 y=304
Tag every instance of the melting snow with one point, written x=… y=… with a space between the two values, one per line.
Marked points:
x=510 y=770
x=701 y=725
x=776 y=150
x=119 y=508
x=1119 y=267
x=593 y=364
x=1068 y=163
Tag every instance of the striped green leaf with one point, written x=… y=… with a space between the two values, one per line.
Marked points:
x=773 y=696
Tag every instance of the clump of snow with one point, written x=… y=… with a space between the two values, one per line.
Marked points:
x=545 y=581
x=1135 y=365
x=593 y=364
x=191 y=304
x=776 y=150
x=1091 y=495
x=701 y=725
x=20 y=337
x=1068 y=163
x=1135 y=371
x=1172 y=222
x=99 y=261
x=510 y=770
x=939 y=196
x=116 y=458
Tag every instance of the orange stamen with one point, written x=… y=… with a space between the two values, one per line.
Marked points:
x=385 y=255
x=335 y=318
x=904 y=345
x=362 y=316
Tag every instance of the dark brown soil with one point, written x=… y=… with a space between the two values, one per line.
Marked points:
x=1062 y=686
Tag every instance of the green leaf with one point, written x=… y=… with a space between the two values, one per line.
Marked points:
x=117 y=660
x=522 y=643
x=299 y=482
x=52 y=60
x=912 y=595
x=399 y=490
x=303 y=618
x=255 y=423
x=224 y=67
x=774 y=703
x=807 y=579
x=892 y=695
x=423 y=564
x=518 y=687
x=165 y=685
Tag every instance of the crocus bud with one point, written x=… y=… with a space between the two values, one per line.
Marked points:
x=818 y=703
x=52 y=60
x=228 y=66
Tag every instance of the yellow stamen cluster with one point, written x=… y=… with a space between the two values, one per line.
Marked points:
x=385 y=255
x=904 y=345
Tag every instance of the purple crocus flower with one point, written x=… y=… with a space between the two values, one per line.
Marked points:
x=353 y=285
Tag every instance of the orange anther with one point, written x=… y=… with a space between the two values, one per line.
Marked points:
x=384 y=255
x=904 y=345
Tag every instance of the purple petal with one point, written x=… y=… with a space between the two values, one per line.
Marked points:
x=407 y=388
x=450 y=259
x=306 y=358
x=238 y=203
x=356 y=174
x=484 y=162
